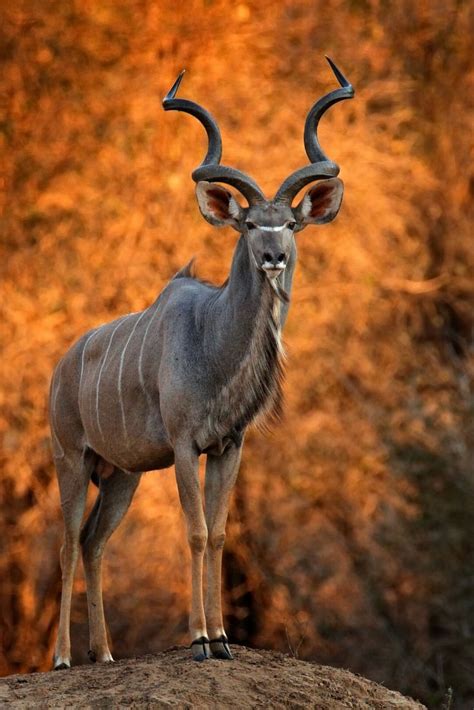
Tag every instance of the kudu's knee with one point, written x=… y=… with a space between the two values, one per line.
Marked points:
x=198 y=541
x=216 y=541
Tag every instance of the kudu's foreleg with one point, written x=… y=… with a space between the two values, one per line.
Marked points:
x=73 y=472
x=187 y=478
x=115 y=495
x=221 y=473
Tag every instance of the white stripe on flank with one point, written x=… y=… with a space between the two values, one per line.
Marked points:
x=83 y=354
x=100 y=375
x=95 y=332
x=54 y=420
x=120 y=375
x=140 y=357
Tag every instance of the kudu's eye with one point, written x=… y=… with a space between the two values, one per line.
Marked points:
x=291 y=225
x=251 y=225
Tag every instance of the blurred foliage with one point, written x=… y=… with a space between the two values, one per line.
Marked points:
x=351 y=532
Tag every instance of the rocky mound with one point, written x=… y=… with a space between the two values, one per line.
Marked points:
x=254 y=679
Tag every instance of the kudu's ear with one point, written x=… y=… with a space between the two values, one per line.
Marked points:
x=218 y=205
x=321 y=203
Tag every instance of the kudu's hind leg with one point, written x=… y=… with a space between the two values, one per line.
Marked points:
x=114 y=498
x=221 y=472
x=73 y=477
x=187 y=477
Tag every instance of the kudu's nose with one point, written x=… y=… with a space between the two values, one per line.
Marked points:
x=273 y=261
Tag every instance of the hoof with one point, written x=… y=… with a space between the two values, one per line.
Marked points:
x=106 y=658
x=61 y=664
x=220 y=648
x=200 y=649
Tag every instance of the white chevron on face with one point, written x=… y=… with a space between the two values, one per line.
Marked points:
x=280 y=228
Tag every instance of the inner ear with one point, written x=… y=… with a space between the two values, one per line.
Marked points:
x=219 y=202
x=321 y=203
x=218 y=205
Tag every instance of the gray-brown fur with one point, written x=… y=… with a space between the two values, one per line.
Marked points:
x=185 y=376
x=124 y=367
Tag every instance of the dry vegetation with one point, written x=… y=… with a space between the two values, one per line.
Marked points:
x=351 y=534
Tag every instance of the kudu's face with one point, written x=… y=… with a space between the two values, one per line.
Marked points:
x=269 y=227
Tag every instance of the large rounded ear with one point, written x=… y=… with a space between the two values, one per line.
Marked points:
x=320 y=204
x=218 y=205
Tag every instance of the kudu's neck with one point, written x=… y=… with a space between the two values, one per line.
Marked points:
x=241 y=306
x=247 y=285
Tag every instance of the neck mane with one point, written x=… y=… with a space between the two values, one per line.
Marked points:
x=248 y=352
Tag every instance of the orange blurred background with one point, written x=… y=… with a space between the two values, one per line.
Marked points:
x=350 y=539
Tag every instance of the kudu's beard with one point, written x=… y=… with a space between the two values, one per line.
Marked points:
x=278 y=289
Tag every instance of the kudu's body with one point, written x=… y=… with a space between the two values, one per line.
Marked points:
x=184 y=377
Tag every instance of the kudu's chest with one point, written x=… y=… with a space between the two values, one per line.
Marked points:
x=253 y=388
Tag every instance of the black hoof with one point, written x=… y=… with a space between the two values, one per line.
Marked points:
x=220 y=648
x=61 y=667
x=92 y=656
x=200 y=649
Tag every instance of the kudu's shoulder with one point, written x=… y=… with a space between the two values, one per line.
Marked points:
x=187 y=292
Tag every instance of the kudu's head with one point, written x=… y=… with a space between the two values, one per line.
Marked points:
x=268 y=226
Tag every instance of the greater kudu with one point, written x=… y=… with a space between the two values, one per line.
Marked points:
x=184 y=377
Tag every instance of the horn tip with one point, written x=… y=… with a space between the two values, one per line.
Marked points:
x=174 y=89
x=339 y=75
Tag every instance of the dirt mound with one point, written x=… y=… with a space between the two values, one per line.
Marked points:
x=254 y=679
